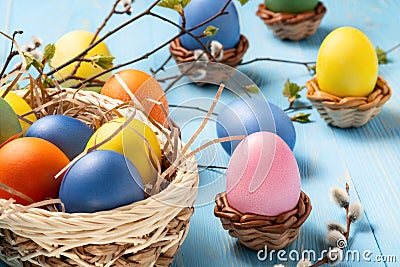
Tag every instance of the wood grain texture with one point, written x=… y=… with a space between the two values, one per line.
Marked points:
x=367 y=158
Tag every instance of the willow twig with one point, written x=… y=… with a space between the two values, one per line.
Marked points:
x=160 y=68
x=212 y=167
x=393 y=48
x=11 y=54
x=99 y=29
x=163 y=80
x=297 y=107
x=306 y=64
x=325 y=259
x=101 y=39
x=146 y=55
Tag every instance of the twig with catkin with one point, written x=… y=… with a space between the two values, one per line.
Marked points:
x=338 y=235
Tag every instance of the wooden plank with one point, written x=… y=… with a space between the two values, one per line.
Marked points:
x=320 y=168
x=367 y=158
x=371 y=153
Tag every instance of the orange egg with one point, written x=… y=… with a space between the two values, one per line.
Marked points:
x=28 y=165
x=144 y=87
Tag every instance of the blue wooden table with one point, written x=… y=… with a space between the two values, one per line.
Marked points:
x=368 y=158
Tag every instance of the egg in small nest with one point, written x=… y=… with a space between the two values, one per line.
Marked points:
x=263 y=177
x=347 y=64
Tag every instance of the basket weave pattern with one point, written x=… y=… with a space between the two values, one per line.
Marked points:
x=348 y=111
x=292 y=26
x=256 y=231
x=145 y=233
x=232 y=57
x=214 y=73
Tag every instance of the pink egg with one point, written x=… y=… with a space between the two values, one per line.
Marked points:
x=263 y=177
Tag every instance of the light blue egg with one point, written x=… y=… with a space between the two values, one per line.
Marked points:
x=247 y=116
x=198 y=11
x=67 y=133
x=101 y=180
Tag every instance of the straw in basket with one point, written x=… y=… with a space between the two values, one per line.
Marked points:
x=231 y=57
x=292 y=26
x=255 y=231
x=144 y=233
x=348 y=111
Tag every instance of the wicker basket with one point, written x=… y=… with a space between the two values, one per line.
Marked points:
x=292 y=26
x=144 y=233
x=231 y=57
x=348 y=111
x=255 y=231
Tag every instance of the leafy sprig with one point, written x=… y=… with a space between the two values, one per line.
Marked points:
x=382 y=55
x=301 y=117
x=177 y=5
x=48 y=52
x=292 y=92
x=210 y=31
x=252 y=88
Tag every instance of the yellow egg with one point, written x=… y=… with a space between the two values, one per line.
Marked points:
x=20 y=107
x=69 y=46
x=347 y=64
x=130 y=143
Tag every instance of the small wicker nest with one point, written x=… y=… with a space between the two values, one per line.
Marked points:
x=144 y=233
x=292 y=26
x=256 y=231
x=231 y=57
x=348 y=111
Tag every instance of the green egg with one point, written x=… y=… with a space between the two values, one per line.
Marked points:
x=291 y=6
x=9 y=124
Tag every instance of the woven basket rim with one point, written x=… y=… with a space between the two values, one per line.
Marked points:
x=37 y=211
x=246 y=219
x=270 y=17
x=148 y=232
x=379 y=96
x=233 y=55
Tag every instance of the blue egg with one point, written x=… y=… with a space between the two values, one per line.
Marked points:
x=244 y=117
x=101 y=180
x=67 y=133
x=198 y=11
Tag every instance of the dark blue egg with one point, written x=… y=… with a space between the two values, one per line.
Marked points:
x=247 y=116
x=198 y=11
x=101 y=180
x=67 y=133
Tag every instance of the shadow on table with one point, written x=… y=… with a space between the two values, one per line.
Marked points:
x=386 y=126
x=307 y=167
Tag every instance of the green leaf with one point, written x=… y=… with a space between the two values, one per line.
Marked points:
x=291 y=90
x=301 y=117
x=185 y=2
x=29 y=59
x=48 y=82
x=252 y=88
x=179 y=8
x=105 y=62
x=210 y=31
x=32 y=61
x=49 y=51
x=242 y=2
x=169 y=3
x=37 y=64
x=382 y=55
x=177 y=5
